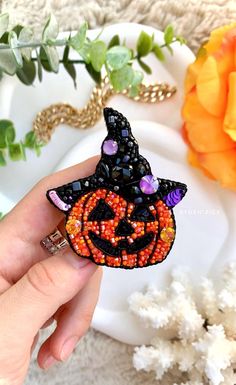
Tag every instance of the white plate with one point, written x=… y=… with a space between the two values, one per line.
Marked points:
x=206 y=227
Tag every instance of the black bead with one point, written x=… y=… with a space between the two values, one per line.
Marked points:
x=135 y=190
x=104 y=169
x=141 y=169
x=138 y=200
x=123 y=172
x=122 y=147
x=142 y=213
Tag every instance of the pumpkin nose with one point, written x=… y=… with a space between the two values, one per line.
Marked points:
x=124 y=228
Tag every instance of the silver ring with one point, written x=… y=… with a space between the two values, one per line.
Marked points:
x=54 y=242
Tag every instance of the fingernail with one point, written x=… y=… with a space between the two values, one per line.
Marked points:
x=49 y=361
x=76 y=261
x=68 y=347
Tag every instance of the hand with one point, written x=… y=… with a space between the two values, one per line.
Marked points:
x=36 y=289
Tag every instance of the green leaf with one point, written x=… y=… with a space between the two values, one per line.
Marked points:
x=134 y=90
x=181 y=40
x=40 y=71
x=25 y=37
x=27 y=73
x=13 y=41
x=156 y=49
x=70 y=68
x=117 y=57
x=16 y=151
x=98 y=54
x=78 y=40
x=17 y=29
x=137 y=78
x=85 y=52
x=7 y=133
x=44 y=60
x=115 y=40
x=66 y=53
x=53 y=58
x=4 y=21
x=168 y=34
x=4 y=38
x=8 y=62
x=10 y=134
x=30 y=139
x=37 y=149
x=51 y=29
x=144 y=44
x=144 y=66
x=96 y=76
x=122 y=78
x=1 y=74
x=2 y=162
x=31 y=142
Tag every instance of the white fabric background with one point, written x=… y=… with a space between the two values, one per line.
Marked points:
x=98 y=359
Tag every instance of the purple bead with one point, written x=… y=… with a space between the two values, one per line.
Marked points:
x=148 y=184
x=174 y=197
x=110 y=147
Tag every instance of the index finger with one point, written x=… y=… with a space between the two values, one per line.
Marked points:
x=33 y=218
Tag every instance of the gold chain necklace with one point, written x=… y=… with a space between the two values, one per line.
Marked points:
x=63 y=113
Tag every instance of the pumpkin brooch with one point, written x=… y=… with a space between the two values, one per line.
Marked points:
x=121 y=216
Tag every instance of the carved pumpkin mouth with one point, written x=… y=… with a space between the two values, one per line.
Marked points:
x=106 y=246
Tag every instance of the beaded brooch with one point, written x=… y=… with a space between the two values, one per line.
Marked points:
x=121 y=216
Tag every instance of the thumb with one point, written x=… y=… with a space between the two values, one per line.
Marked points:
x=28 y=304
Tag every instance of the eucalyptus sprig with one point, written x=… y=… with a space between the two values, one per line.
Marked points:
x=12 y=149
x=23 y=55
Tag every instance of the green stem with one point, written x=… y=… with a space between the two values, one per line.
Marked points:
x=36 y=44
x=61 y=61
x=165 y=45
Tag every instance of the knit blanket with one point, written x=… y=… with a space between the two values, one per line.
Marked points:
x=99 y=359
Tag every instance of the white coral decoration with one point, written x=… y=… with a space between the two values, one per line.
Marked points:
x=195 y=333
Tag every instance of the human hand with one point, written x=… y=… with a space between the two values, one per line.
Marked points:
x=36 y=289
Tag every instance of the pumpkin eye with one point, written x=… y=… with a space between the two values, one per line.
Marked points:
x=142 y=214
x=101 y=212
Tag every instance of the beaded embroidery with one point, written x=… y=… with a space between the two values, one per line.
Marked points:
x=121 y=216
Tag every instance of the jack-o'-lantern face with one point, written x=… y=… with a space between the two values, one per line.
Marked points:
x=106 y=228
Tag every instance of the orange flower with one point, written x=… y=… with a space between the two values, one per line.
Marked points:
x=209 y=109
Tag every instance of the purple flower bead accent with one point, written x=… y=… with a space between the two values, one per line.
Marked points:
x=110 y=147
x=174 y=197
x=148 y=184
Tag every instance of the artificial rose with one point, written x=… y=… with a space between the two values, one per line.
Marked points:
x=209 y=109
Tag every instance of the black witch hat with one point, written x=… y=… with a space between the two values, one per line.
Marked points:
x=121 y=169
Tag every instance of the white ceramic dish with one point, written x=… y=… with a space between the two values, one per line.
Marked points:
x=206 y=218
